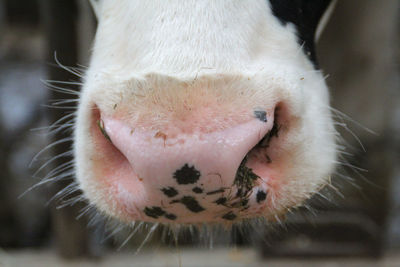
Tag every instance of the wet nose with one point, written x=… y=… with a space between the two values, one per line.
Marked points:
x=182 y=175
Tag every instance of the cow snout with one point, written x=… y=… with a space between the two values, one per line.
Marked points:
x=186 y=174
x=194 y=112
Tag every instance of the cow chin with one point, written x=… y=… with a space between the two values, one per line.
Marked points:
x=173 y=130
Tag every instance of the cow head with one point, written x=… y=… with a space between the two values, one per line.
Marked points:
x=203 y=111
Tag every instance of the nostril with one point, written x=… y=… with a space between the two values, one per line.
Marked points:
x=100 y=123
x=265 y=141
x=246 y=179
x=98 y=129
x=105 y=150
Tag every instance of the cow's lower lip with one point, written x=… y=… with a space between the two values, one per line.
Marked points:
x=131 y=199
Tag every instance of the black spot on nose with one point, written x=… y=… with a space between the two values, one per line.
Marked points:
x=170 y=216
x=191 y=204
x=197 y=190
x=221 y=190
x=229 y=216
x=187 y=175
x=220 y=201
x=261 y=115
x=154 y=212
x=169 y=191
x=261 y=196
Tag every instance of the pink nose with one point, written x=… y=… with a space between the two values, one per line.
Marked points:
x=185 y=177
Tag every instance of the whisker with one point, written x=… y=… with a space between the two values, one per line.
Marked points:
x=352 y=120
x=95 y=217
x=64 y=82
x=61 y=168
x=352 y=133
x=64 y=154
x=70 y=70
x=35 y=158
x=69 y=189
x=82 y=67
x=56 y=102
x=65 y=128
x=61 y=89
x=135 y=229
x=114 y=232
x=149 y=234
x=60 y=107
x=44 y=181
x=56 y=123
x=350 y=165
x=84 y=210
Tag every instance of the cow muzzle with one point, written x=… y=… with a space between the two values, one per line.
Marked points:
x=185 y=175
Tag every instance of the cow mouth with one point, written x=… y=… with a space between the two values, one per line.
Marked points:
x=133 y=196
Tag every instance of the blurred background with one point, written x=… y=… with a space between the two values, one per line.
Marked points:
x=358 y=217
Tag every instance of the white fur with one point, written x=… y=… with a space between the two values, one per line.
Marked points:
x=174 y=42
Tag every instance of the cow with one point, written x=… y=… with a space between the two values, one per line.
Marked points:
x=204 y=112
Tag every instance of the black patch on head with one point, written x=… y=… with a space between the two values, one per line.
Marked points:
x=229 y=216
x=305 y=15
x=191 y=204
x=170 y=216
x=169 y=191
x=197 y=190
x=221 y=190
x=154 y=212
x=220 y=201
x=187 y=175
x=261 y=196
x=261 y=115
